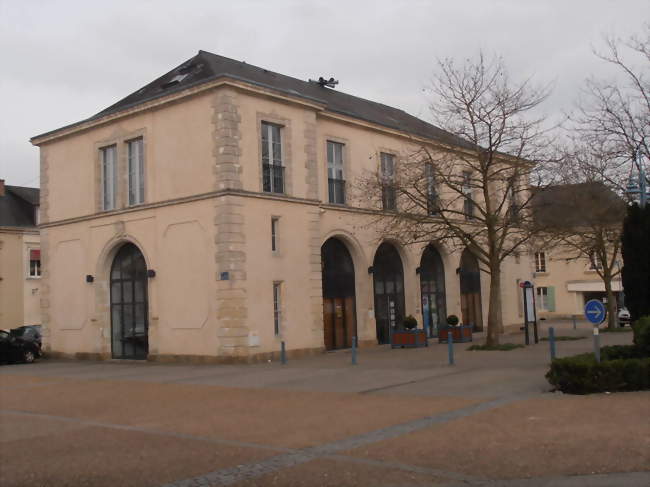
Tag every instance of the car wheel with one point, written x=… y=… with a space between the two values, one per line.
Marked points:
x=28 y=356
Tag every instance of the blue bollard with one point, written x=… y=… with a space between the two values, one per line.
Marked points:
x=597 y=344
x=283 y=354
x=551 y=341
x=354 y=350
x=450 y=346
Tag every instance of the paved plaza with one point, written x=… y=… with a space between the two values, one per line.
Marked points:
x=397 y=418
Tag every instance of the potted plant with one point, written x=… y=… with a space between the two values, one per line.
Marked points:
x=459 y=332
x=409 y=336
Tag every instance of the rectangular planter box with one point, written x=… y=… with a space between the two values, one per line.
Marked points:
x=459 y=333
x=409 y=339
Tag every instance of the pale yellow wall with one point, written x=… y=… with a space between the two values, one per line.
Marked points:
x=177 y=242
x=192 y=310
x=19 y=294
x=561 y=270
x=178 y=158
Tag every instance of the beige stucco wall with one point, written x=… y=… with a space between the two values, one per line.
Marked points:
x=565 y=273
x=19 y=293
x=211 y=250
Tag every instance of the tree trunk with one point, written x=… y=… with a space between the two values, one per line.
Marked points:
x=494 y=324
x=612 y=308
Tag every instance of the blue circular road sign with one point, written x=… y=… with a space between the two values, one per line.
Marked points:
x=595 y=311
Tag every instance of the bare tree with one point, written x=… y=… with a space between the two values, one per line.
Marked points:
x=611 y=128
x=615 y=116
x=472 y=192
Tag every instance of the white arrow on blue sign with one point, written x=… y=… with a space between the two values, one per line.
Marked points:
x=595 y=311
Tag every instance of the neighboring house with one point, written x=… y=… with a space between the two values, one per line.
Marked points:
x=565 y=278
x=20 y=260
x=207 y=216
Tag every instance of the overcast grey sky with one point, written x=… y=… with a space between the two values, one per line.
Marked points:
x=62 y=61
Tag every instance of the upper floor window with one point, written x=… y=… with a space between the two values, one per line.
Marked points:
x=108 y=176
x=594 y=261
x=275 y=222
x=277 y=308
x=136 y=171
x=540 y=262
x=388 y=193
x=34 y=263
x=513 y=207
x=468 y=202
x=432 y=193
x=272 y=169
x=335 y=179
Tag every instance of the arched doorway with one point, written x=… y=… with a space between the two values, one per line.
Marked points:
x=339 y=308
x=129 y=304
x=389 y=291
x=470 y=291
x=432 y=288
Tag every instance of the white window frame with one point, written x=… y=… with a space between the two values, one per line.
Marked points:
x=540 y=261
x=277 y=308
x=468 y=201
x=387 y=168
x=275 y=224
x=37 y=269
x=108 y=156
x=135 y=155
x=594 y=262
x=272 y=132
x=335 y=168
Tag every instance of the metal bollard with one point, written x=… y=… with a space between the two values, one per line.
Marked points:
x=283 y=354
x=450 y=346
x=597 y=344
x=574 y=321
x=354 y=350
x=551 y=341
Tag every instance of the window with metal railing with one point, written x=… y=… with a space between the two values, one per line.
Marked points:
x=335 y=178
x=272 y=169
x=388 y=191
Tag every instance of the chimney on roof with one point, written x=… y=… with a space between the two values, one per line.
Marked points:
x=2 y=187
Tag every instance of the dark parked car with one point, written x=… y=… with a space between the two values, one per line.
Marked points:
x=19 y=345
x=29 y=333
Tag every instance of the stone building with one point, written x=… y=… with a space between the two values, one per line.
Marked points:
x=20 y=259
x=207 y=217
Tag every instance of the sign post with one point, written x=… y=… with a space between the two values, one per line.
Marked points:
x=530 y=315
x=595 y=312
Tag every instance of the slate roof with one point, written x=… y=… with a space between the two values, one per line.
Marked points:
x=206 y=67
x=574 y=205
x=17 y=206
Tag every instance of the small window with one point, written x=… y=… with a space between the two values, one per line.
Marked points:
x=136 y=171
x=335 y=179
x=468 y=202
x=277 y=307
x=594 y=261
x=275 y=222
x=109 y=177
x=34 y=263
x=542 y=299
x=433 y=204
x=272 y=169
x=540 y=262
x=388 y=193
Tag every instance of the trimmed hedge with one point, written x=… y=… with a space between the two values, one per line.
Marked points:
x=622 y=367
x=581 y=374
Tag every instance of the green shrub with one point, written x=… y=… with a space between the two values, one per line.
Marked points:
x=581 y=374
x=562 y=339
x=452 y=320
x=504 y=347
x=616 y=352
x=410 y=323
x=642 y=335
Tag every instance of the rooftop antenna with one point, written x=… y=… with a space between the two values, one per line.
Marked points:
x=330 y=83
